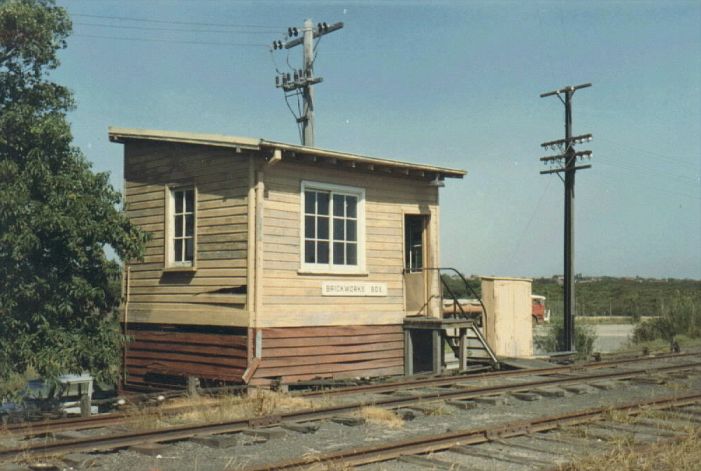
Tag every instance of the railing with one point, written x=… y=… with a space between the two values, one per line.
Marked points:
x=456 y=303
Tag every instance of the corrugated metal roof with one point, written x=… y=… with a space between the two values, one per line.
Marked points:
x=117 y=134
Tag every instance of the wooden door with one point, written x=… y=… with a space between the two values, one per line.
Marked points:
x=415 y=255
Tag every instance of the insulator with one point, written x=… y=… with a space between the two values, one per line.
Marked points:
x=296 y=76
x=289 y=77
x=295 y=31
x=289 y=32
x=301 y=73
x=326 y=27
x=277 y=80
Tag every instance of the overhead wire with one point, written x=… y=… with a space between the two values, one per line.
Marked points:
x=269 y=29
x=676 y=160
x=650 y=172
x=160 y=28
x=163 y=40
x=647 y=187
x=530 y=220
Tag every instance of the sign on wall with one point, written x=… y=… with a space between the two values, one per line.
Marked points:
x=352 y=288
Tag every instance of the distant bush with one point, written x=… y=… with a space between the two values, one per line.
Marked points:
x=584 y=337
x=680 y=317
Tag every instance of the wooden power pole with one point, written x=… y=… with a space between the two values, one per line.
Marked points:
x=302 y=80
x=567 y=161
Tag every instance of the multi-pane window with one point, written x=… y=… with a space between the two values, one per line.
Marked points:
x=345 y=230
x=331 y=228
x=183 y=229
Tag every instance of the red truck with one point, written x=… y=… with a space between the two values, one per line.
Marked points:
x=539 y=313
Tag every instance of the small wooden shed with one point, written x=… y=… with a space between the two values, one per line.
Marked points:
x=272 y=262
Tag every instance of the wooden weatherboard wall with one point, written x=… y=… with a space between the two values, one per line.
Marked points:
x=167 y=352
x=293 y=298
x=211 y=294
x=305 y=334
x=249 y=309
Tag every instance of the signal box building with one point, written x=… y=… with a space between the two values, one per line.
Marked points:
x=271 y=262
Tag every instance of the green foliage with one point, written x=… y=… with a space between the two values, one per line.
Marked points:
x=584 y=337
x=679 y=317
x=457 y=286
x=58 y=296
x=608 y=296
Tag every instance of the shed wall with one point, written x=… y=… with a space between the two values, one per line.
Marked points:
x=291 y=298
x=508 y=328
x=179 y=351
x=293 y=354
x=220 y=176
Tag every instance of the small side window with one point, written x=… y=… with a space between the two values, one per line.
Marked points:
x=180 y=245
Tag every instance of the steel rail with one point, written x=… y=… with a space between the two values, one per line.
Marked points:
x=445 y=441
x=84 y=423
x=188 y=431
x=448 y=380
x=73 y=423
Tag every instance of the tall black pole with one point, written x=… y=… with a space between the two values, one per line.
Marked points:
x=570 y=161
x=569 y=168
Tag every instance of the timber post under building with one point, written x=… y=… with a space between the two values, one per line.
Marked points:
x=276 y=263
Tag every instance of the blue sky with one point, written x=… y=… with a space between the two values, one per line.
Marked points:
x=448 y=83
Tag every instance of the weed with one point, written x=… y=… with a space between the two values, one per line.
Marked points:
x=380 y=416
x=681 y=455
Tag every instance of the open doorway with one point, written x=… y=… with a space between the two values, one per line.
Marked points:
x=415 y=251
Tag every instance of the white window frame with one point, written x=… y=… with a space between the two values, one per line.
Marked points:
x=331 y=268
x=170 y=262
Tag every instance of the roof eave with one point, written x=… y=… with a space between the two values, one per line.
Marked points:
x=122 y=135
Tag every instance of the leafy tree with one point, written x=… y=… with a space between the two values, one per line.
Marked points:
x=550 y=341
x=57 y=287
x=681 y=316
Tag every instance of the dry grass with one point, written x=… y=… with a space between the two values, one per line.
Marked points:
x=380 y=416
x=436 y=409
x=238 y=407
x=681 y=455
x=204 y=409
x=313 y=458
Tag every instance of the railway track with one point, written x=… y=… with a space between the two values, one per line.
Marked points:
x=458 y=393
x=119 y=418
x=459 y=442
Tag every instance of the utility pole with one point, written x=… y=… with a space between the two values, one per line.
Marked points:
x=303 y=79
x=567 y=159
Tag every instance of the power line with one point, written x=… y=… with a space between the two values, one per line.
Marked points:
x=159 y=40
x=530 y=220
x=157 y=28
x=652 y=172
x=669 y=158
x=646 y=187
x=174 y=22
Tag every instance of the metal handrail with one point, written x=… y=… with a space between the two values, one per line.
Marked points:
x=492 y=356
x=455 y=299
x=454 y=296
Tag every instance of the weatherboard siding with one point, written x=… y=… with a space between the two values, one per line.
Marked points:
x=291 y=298
x=294 y=354
x=219 y=353
x=220 y=176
